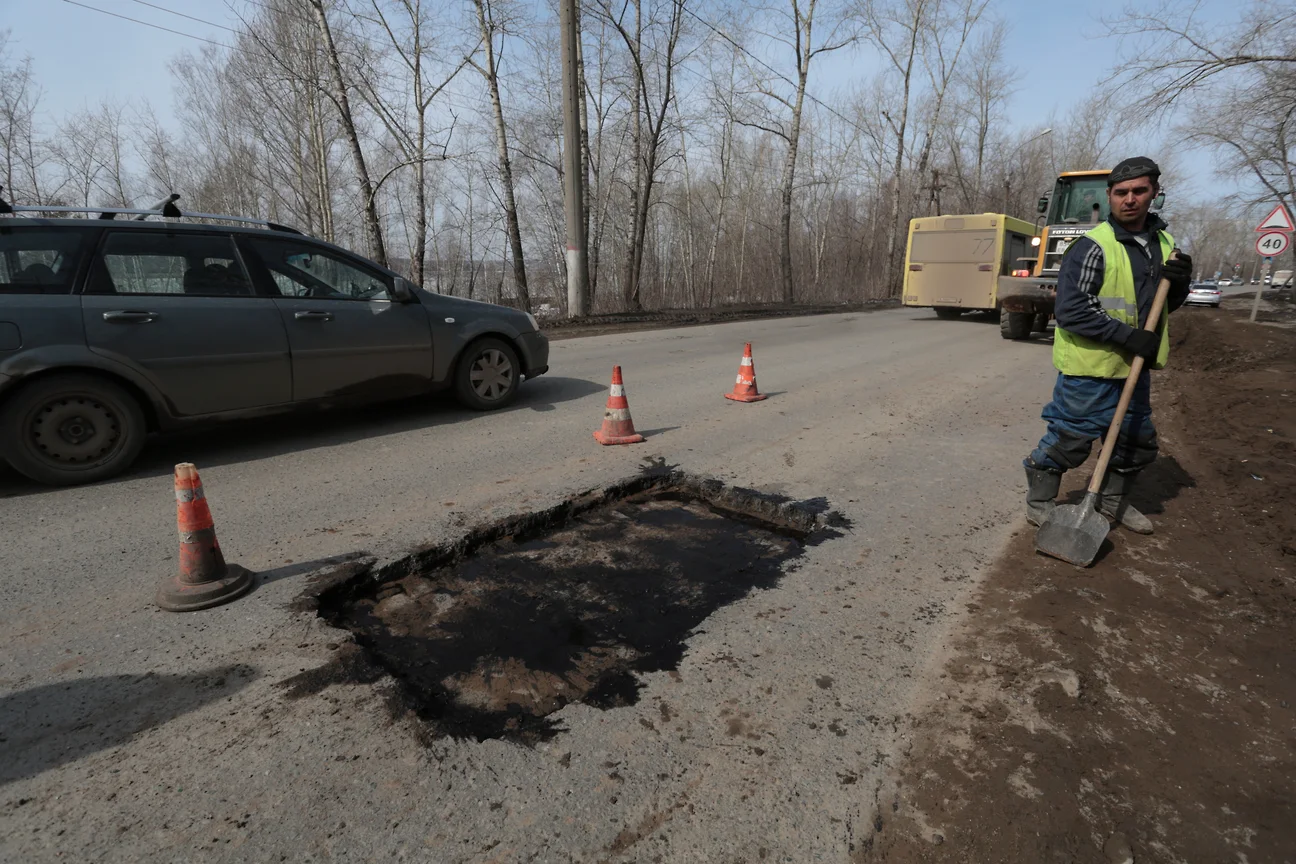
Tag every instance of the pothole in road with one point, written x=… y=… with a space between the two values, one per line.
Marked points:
x=489 y=636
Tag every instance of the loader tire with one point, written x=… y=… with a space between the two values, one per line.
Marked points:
x=1016 y=325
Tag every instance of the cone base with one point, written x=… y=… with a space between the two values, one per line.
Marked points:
x=750 y=397
x=176 y=596
x=606 y=439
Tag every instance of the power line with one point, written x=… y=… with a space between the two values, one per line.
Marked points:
x=277 y=10
x=146 y=23
x=183 y=15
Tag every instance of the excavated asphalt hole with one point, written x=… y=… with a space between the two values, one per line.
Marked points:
x=489 y=636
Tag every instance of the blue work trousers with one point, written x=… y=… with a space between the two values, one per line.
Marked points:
x=1081 y=410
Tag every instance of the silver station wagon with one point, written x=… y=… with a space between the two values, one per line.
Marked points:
x=114 y=328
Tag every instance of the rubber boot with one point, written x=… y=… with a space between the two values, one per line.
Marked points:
x=1114 y=505
x=1041 y=493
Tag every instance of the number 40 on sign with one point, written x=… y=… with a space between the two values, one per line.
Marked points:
x=1272 y=243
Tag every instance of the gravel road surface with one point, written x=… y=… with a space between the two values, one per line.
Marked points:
x=132 y=734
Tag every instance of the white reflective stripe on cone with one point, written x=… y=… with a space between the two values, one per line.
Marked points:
x=616 y=414
x=617 y=390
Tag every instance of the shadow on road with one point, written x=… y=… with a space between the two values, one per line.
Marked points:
x=56 y=724
x=242 y=441
x=1158 y=484
x=661 y=430
x=978 y=317
x=322 y=567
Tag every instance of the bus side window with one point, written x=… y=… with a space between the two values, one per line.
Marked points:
x=1016 y=250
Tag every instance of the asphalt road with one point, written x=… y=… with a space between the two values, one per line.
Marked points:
x=132 y=734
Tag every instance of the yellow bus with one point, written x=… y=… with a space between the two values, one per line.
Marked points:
x=953 y=263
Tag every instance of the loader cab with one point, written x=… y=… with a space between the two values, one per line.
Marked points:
x=1079 y=201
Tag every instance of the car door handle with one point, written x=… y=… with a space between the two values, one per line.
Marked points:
x=123 y=316
x=313 y=316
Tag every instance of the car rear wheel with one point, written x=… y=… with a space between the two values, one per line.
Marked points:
x=488 y=375
x=69 y=429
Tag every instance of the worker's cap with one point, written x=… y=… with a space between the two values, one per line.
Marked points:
x=1129 y=169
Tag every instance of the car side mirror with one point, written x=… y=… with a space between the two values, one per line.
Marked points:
x=1159 y=201
x=402 y=290
x=1041 y=205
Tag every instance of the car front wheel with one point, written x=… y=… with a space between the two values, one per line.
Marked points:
x=69 y=429
x=488 y=375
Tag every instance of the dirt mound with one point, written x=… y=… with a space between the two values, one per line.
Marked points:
x=1145 y=705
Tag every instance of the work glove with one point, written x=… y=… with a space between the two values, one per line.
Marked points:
x=1179 y=271
x=1143 y=343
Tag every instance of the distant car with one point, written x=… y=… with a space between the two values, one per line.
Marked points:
x=1204 y=294
x=1224 y=283
x=111 y=329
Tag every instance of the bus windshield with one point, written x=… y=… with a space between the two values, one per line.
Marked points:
x=1074 y=199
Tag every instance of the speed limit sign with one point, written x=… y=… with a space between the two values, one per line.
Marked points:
x=1272 y=243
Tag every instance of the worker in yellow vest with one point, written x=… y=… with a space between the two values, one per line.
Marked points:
x=1105 y=290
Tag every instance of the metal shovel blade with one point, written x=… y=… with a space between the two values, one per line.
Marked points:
x=1074 y=532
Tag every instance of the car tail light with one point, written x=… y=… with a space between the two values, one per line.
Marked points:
x=1021 y=272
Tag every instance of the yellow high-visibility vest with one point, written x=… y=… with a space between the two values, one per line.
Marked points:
x=1078 y=355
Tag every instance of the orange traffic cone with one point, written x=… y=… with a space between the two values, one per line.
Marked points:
x=204 y=579
x=618 y=428
x=745 y=390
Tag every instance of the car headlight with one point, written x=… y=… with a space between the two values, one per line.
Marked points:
x=535 y=325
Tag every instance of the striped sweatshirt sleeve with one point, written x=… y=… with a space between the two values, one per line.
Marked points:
x=1078 y=308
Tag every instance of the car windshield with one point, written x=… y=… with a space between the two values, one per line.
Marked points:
x=1074 y=200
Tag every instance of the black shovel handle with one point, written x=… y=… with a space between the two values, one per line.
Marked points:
x=1136 y=369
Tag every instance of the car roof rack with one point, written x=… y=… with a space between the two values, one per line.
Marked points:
x=166 y=208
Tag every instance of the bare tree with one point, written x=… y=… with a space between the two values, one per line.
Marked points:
x=339 y=94
x=1238 y=84
x=402 y=101
x=1171 y=53
x=653 y=68
x=896 y=27
x=945 y=35
x=984 y=90
x=1216 y=234
x=490 y=28
x=779 y=106
x=21 y=157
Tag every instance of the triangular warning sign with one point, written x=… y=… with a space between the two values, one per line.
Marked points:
x=1278 y=220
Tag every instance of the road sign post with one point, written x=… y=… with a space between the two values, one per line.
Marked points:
x=1274 y=239
x=1255 y=304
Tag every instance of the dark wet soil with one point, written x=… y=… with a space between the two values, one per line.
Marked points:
x=1146 y=705
x=490 y=640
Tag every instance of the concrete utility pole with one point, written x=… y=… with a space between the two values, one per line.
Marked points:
x=573 y=175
